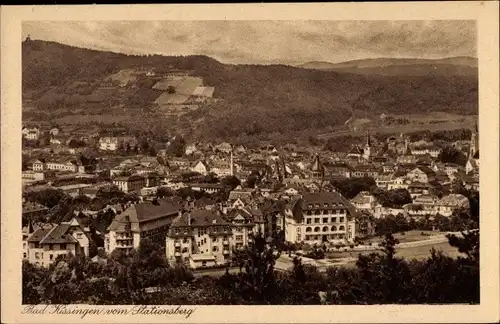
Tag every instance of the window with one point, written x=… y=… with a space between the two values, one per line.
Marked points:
x=334 y=229
x=308 y=221
x=298 y=237
x=79 y=235
x=185 y=250
x=298 y=229
x=341 y=228
x=341 y=219
x=334 y=219
x=325 y=220
x=215 y=249
x=63 y=246
x=334 y=212
x=317 y=229
x=51 y=256
x=316 y=220
x=325 y=212
x=239 y=237
x=325 y=228
x=185 y=240
x=308 y=229
x=24 y=255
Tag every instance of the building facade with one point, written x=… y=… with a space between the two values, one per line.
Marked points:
x=46 y=244
x=320 y=217
x=200 y=238
x=142 y=220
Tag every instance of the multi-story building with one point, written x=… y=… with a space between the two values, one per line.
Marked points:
x=59 y=165
x=337 y=169
x=320 y=217
x=449 y=203
x=364 y=201
x=421 y=174
x=417 y=188
x=365 y=170
x=114 y=143
x=130 y=183
x=200 y=238
x=208 y=187
x=38 y=165
x=45 y=244
x=32 y=134
x=37 y=175
x=398 y=183
x=200 y=167
x=142 y=220
x=244 y=225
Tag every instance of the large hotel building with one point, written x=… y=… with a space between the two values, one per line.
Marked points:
x=320 y=217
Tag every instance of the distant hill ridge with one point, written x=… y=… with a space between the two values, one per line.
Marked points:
x=385 y=62
x=254 y=100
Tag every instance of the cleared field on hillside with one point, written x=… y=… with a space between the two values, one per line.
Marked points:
x=184 y=85
x=123 y=76
x=171 y=99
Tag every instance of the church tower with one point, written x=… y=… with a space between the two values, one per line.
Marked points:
x=317 y=167
x=474 y=142
x=367 y=148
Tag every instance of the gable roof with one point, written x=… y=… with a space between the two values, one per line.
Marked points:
x=241 y=211
x=145 y=212
x=199 y=218
x=58 y=235
x=38 y=235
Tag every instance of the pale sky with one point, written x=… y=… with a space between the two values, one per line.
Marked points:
x=267 y=42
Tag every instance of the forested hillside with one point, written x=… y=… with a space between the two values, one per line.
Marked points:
x=255 y=99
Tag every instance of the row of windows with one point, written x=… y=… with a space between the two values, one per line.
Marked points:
x=326 y=212
x=320 y=237
x=186 y=250
x=325 y=228
x=325 y=220
x=325 y=205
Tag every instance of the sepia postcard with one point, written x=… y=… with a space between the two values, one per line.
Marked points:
x=250 y=163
